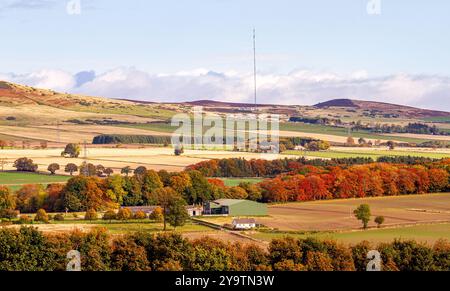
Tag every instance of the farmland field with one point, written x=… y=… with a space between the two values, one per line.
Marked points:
x=156 y=158
x=370 y=153
x=421 y=233
x=230 y=182
x=331 y=215
x=19 y=178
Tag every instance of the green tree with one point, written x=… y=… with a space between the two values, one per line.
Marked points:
x=166 y=197
x=72 y=150
x=379 y=220
x=363 y=213
x=125 y=170
x=176 y=212
x=150 y=182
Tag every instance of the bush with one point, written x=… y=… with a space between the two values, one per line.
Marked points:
x=41 y=216
x=109 y=215
x=124 y=214
x=91 y=214
x=9 y=213
x=157 y=215
x=59 y=217
x=140 y=215
x=25 y=219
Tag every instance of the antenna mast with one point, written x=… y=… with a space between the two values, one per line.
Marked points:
x=254 y=65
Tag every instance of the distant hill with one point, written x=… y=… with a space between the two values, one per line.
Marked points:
x=14 y=94
x=385 y=108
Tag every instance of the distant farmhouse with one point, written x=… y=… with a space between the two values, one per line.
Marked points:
x=192 y=210
x=244 y=223
x=235 y=207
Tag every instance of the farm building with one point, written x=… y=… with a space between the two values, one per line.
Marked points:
x=191 y=210
x=235 y=207
x=244 y=223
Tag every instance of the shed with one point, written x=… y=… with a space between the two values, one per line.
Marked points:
x=235 y=207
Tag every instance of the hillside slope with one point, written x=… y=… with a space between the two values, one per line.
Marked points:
x=385 y=108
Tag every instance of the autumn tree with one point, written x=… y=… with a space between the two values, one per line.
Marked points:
x=7 y=200
x=52 y=168
x=91 y=214
x=124 y=214
x=30 y=198
x=363 y=213
x=157 y=214
x=88 y=169
x=71 y=168
x=109 y=215
x=41 y=216
x=25 y=165
x=109 y=171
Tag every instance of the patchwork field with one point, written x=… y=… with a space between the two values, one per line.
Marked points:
x=338 y=214
x=426 y=233
x=15 y=180
x=156 y=158
x=230 y=182
x=341 y=152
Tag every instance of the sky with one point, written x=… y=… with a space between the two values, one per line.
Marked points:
x=307 y=51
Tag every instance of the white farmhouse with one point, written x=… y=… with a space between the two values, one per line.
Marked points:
x=244 y=223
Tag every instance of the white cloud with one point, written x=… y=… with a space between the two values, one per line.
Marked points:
x=297 y=87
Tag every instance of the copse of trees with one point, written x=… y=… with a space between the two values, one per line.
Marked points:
x=308 y=183
x=131 y=139
x=242 y=168
x=28 y=250
x=25 y=165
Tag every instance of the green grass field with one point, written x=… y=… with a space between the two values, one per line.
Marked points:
x=340 y=131
x=14 y=180
x=366 y=154
x=231 y=182
x=422 y=233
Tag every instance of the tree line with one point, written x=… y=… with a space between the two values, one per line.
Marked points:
x=306 y=183
x=27 y=249
x=240 y=167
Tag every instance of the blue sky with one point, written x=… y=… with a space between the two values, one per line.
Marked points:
x=312 y=47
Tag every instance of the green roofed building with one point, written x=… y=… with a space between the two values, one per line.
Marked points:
x=235 y=207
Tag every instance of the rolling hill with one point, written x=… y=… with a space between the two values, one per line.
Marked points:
x=385 y=108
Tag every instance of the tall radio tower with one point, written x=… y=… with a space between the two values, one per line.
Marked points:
x=254 y=66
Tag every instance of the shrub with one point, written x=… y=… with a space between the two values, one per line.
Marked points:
x=157 y=215
x=58 y=217
x=140 y=215
x=109 y=215
x=91 y=214
x=124 y=214
x=41 y=216
x=25 y=219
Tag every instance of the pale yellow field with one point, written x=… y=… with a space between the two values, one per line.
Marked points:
x=70 y=133
x=156 y=158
